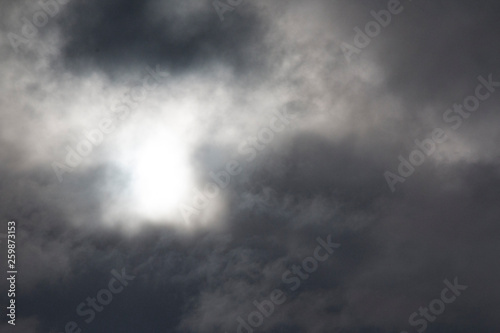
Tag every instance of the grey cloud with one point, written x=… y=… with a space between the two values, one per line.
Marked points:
x=322 y=175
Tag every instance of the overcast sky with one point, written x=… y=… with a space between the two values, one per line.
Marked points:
x=212 y=150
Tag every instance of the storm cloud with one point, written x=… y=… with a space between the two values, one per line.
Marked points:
x=211 y=160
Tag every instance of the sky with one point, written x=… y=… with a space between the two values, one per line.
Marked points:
x=250 y=166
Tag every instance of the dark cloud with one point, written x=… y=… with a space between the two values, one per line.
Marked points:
x=179 y=35
x=321 y=175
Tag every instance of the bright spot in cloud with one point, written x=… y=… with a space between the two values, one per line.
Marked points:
x=161 y=176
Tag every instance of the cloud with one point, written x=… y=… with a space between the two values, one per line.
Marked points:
x=322 y=175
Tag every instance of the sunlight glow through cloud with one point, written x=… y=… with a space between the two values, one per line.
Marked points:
x=161 y=176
